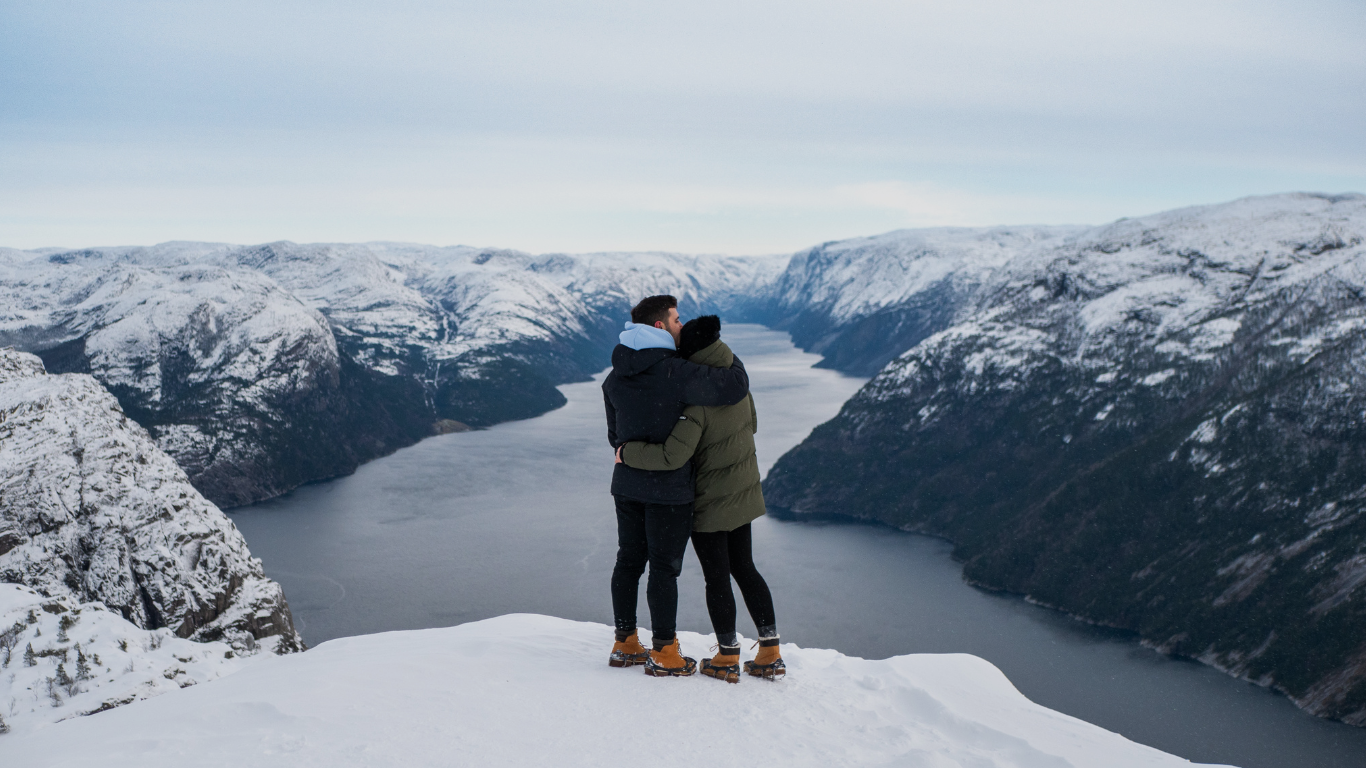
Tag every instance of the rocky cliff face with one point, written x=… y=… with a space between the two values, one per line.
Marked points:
x=1156 y=425
x=261 y=368
x=92 y=510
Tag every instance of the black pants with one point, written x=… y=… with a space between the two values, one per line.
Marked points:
x=724 y=554
x=656 y=534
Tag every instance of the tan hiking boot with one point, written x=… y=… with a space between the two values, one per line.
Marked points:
x=725 y=665
x=768 y=664
x=669 y=661
x=628 y=652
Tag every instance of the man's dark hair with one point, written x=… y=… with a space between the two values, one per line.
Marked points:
x=653 y=309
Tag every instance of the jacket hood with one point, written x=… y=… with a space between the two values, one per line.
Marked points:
x=639 y=336
x=715 y=354
x=629 y=362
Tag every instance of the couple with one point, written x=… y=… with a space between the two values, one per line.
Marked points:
x=681 y=420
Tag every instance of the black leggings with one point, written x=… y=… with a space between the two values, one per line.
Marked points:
x=724 y=554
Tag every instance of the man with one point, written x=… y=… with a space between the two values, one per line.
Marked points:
x=645 y=395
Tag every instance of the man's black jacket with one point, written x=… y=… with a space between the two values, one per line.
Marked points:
x=645 y=395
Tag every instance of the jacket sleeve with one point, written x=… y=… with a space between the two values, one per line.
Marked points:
x=753 y=416
x=611 y=421
x=705 y=385
x=675 y=451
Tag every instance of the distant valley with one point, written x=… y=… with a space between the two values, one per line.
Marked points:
x=1154 y=424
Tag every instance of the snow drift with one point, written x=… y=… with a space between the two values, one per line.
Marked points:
x=535 y=690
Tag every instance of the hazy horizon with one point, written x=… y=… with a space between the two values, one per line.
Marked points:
x=746 y=129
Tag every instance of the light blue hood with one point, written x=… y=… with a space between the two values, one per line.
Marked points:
x=638 y=336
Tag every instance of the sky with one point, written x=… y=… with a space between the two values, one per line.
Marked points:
x=741 y=127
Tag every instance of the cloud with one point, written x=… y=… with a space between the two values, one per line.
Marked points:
x=718 y=125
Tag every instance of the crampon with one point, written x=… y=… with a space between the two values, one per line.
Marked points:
x=669 y=662
x=768 y=664
x=723 y=666
x=628 y=653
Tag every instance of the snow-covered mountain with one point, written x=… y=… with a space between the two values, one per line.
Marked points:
x=263 y=367
x=1155 y=424
x=535 y=690
x=93 y=511
x=862 y=302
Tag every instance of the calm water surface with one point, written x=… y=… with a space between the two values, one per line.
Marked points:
x=518 y=519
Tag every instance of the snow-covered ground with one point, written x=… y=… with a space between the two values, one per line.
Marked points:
x=85 y=658
x=533 y=690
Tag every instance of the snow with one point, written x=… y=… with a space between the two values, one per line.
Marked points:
x=126 y=663
x=233 y=323
x=1179 y=284
x=1206 y=432
x=1155 y=379
x=535 y=690
x=853 y=278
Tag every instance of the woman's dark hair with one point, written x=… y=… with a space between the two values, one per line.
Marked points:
x=698 y=334
x=653 y=309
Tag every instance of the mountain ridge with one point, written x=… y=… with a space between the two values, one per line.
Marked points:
x=1154 y=425
x=263 y=367
x=1149 y=424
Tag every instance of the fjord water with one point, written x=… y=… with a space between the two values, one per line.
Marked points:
x=518 y=518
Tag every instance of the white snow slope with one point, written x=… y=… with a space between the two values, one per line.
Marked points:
x=86 y=659
x=849 y=279
x=533 y=690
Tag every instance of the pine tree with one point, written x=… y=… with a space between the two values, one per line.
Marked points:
x=29 y=659
x=68 y=621
x=4 y=727
x=8 y=639
x=64 y=680
x=82 y=666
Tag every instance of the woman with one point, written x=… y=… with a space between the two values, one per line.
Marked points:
x=719 y=440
